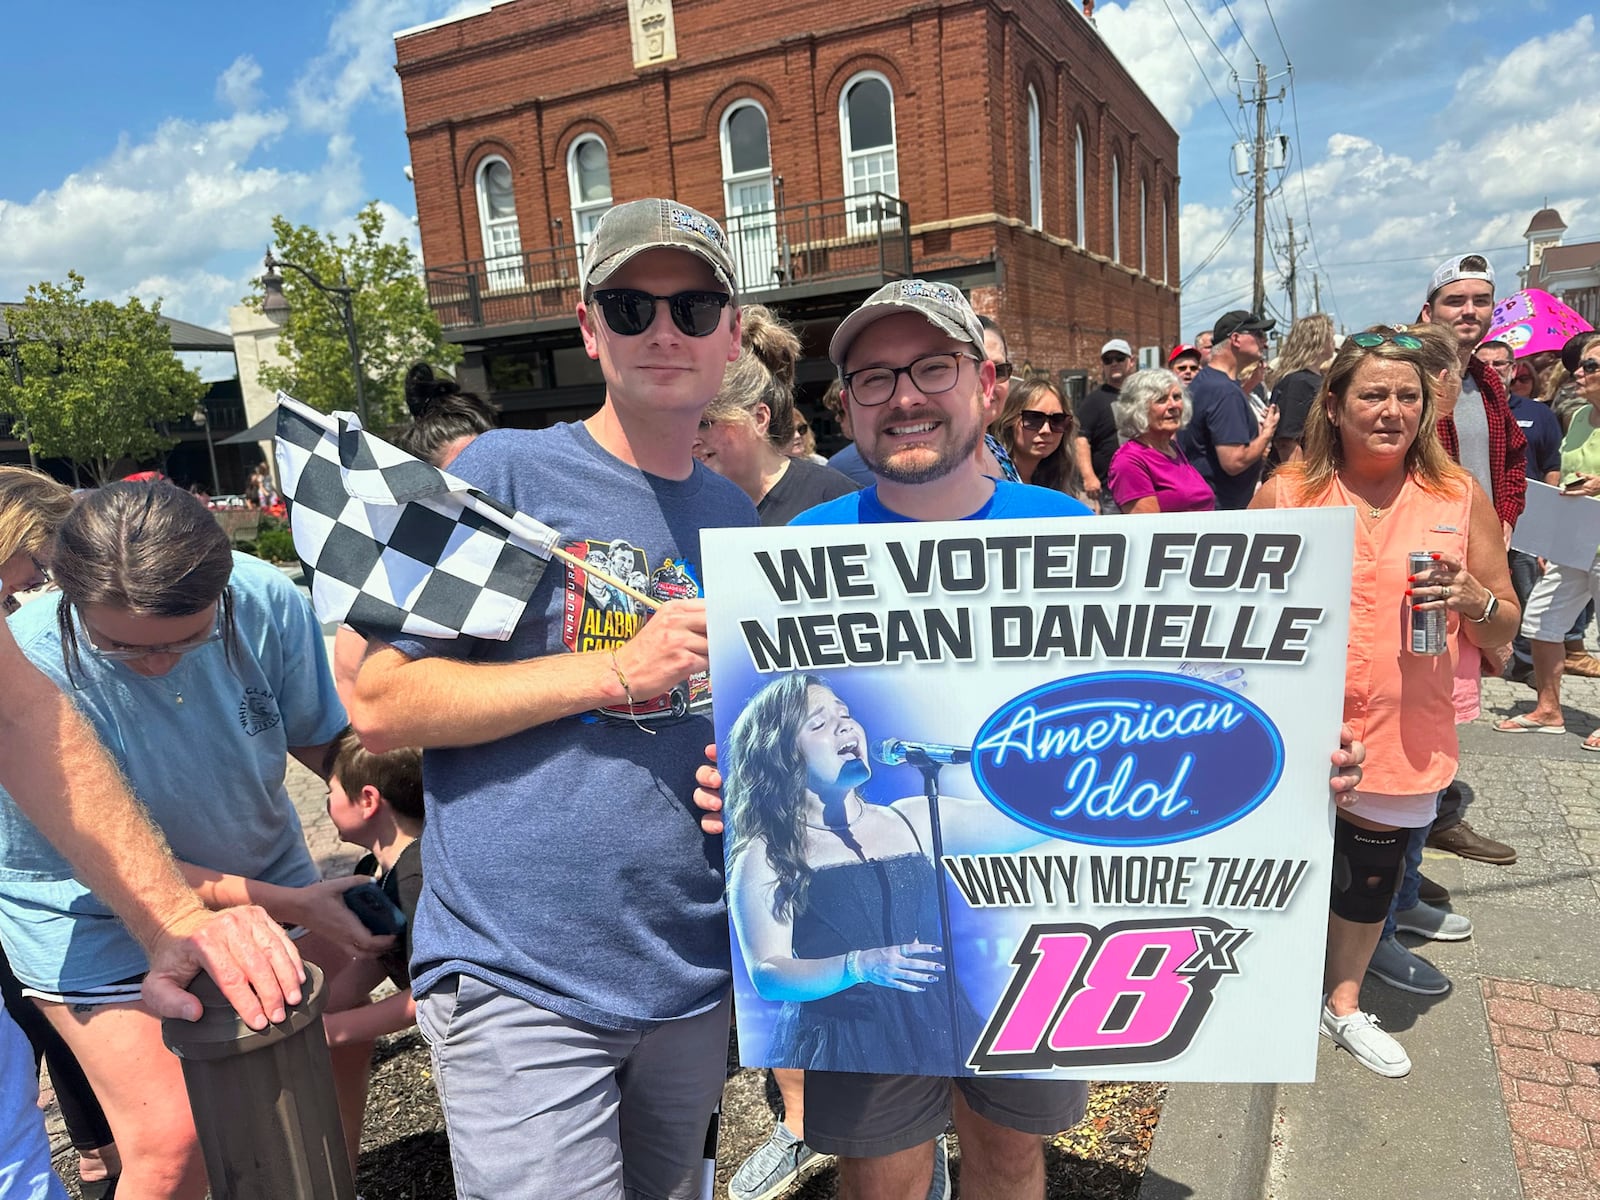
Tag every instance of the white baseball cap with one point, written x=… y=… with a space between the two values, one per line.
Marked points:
x=1452 y=269
x=1116 y=346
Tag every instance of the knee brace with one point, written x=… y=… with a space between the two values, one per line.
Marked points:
x=1366 y=871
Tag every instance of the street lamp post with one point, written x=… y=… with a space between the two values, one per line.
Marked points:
x=203 y=419
x=275 y=303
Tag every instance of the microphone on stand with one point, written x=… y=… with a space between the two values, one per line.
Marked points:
x=895 y=751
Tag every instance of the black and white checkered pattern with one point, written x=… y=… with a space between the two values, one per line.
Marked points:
x=392 y=545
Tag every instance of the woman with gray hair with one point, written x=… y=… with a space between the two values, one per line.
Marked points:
x=1149 y=472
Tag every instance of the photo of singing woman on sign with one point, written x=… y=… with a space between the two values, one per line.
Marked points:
x=835 y=899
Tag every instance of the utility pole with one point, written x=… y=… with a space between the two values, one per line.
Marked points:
x=1316 y=291
x=1259 y=295
x=1294 y=298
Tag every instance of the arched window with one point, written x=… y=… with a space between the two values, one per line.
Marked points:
x=1142 y=210
x=497 y=217
x=1116 y=209
x=747 y=194
x=1035 y=167
x=866 y=124
x=1078 y=202
x=589 y=177
x=1165 y=216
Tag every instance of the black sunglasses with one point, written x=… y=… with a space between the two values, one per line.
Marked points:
x=1113 y=357
x=1003 y=371
x=1589 y=366
x=630 y=312
x=1033 y=420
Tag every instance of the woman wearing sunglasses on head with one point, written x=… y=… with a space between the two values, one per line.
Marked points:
x=200 y=671
x=1037 y=428
x=746 y=431
x=1149 y=472
x=1371 y=444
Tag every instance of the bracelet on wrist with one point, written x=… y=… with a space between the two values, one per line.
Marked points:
x=1490 y=607
x=852 y=968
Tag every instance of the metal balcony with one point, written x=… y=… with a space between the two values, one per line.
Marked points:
x=844 y=244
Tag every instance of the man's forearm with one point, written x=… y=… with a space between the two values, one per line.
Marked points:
x=78 y=799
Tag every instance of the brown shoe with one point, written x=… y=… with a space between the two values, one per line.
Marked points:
x=1463 y=840
x=1580 y=662
x=1433 y=893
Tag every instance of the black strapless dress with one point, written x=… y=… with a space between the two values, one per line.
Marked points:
x=857 y=906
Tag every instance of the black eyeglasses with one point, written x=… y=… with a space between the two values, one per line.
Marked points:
x=802 y=429
x=1003 y=371
x=1405 y=341
x=630 y=312
x=933 y=374
x=1113 y=357
x=1589 y=366
x=1033 y=420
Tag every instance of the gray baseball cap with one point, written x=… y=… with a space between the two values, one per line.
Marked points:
x=641 y=225
x=941 y=304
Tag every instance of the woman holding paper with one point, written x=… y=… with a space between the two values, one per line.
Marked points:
x=1562 y=591
x=1371 y=445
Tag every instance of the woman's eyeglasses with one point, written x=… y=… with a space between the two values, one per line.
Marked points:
x=802 y=429
x=1405 y=341
x=1589 y=366
x=117 y=652
x=1034 y=421
x=630 y=312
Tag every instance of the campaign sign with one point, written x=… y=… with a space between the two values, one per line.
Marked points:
x=1040 y=798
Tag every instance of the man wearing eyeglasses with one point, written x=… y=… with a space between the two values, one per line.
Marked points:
x=1097 y=437
x=1223 y=439
x=571 y=951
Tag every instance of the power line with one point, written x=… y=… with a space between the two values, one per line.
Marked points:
x=1215 y=250
x=1229 y=10
x=1275 y=32
x=1211 y=39
x=1188 y=45
x=1305 y=192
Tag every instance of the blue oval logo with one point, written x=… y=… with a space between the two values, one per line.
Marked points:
x=1127 y=758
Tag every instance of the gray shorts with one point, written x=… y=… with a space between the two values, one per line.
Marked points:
x=868 y=1116
x=538 y=1105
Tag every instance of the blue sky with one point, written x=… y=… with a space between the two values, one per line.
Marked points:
x=151 y=155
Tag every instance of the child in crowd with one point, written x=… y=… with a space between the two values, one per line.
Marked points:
x=375 y=801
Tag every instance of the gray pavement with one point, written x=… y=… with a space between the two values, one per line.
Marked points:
x=1445 y=1130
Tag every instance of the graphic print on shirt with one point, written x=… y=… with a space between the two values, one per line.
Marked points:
x=600 y=616
x=258 y=711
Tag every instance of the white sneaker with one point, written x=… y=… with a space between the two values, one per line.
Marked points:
x=1435 y=924
x=1372 y=1048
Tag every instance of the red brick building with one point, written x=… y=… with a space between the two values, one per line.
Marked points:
x=996 y=144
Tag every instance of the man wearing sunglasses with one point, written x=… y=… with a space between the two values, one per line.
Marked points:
x=570 y=952
x=1223 y=439
x=1097 y=438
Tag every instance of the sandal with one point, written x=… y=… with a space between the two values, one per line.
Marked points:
x=1526 y=724
x=1592 y=742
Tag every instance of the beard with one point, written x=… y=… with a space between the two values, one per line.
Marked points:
x=928 y=471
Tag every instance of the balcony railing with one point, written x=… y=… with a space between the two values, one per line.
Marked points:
x=864 y=239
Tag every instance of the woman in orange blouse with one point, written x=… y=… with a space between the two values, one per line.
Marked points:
x=1370 y=444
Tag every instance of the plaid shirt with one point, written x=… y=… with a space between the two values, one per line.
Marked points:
x=1508 y=458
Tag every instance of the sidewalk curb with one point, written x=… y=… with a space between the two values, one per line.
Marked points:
x=1214 y=1142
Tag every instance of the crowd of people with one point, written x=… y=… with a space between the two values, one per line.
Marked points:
x=574 y=986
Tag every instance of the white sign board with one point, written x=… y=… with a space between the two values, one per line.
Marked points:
x=1562 y=529
x=1043 y=797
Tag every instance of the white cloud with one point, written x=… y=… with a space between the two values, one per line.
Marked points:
x=358 y=64
x=238 y=86
x=1143 y=36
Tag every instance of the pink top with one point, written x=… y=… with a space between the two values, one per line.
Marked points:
x=1138 y=471
x=1399 y=703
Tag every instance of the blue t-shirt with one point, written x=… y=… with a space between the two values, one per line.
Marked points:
x=25 y=1172
x=849 y=462
x=1008 y=500
x=210 y=770
x=565 y=864
x=1222 y=417
x=1542 y=428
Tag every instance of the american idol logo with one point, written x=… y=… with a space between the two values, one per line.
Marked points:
x=1127 y=758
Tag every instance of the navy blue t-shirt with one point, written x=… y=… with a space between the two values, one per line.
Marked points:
x=1008 y=500
x=565 y=864
x=1222 y=417
x=1542 y=428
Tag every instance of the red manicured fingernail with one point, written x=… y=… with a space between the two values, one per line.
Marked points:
x=1438 y=556
x=1408 y=591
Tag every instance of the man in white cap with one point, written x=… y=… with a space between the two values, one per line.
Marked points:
x=571 y=943
x=1097 y=437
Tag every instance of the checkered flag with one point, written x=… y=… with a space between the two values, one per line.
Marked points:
x=392 y=545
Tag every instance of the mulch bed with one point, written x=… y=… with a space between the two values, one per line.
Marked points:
x=405 y=1155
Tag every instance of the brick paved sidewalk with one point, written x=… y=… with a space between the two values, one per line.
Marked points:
x=1547 y=1045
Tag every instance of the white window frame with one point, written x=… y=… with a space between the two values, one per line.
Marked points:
x=1035 y=162
x=1080 y=191
x=755 y=243
x=849 y=154
x=1143 y=208
x=582 y=209
x=1116 y=208
x=502 y=264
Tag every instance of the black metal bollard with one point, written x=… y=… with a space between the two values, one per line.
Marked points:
x=264 y=1103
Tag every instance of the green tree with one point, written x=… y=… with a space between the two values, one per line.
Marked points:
x=99 y=380
x=394 y=325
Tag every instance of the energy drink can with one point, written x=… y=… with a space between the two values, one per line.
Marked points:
x=1428 y=625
